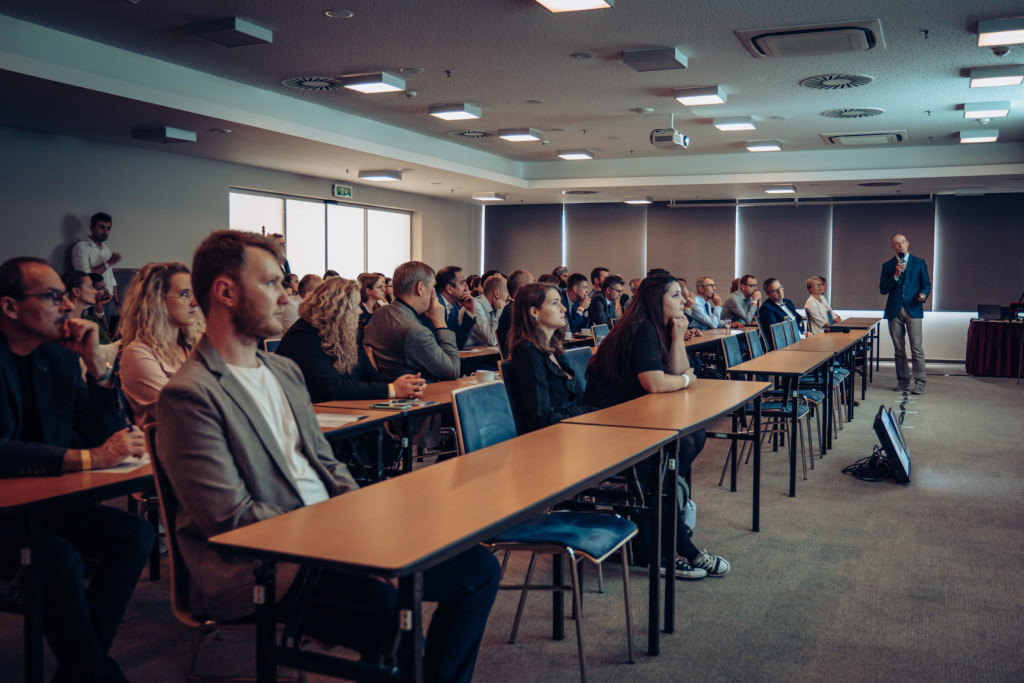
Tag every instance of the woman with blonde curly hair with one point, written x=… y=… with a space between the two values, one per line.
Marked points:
x=328 y=347
x=160 y=324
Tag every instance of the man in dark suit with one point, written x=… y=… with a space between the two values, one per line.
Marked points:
x=578 y=296
x=905 y=281
x=777 y=308
x=454 y=296
x=53 y=421
x=603 y=307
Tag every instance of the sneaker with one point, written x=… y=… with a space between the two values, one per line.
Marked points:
x=902 y=386
x=685 y=571
x=712 y=565
x=919 y=389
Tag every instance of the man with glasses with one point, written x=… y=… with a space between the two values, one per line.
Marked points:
x=742 y=306
x=706 y=313
x=53 y=421
x=777 y=308
x=604 y=304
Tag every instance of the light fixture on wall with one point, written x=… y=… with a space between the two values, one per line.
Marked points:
x=1000 y=32
x=231 y=32
x=654 y=59
x=576 y=154
x=380 y=176
x=637 y=200
x=764 y=146
x=380 y=81
x=490 y=196
x=520 y=134
x=693 y=97
x=734 y=123
x=780 y=189
x=164 y=134
x=455 y=112
x=987 y=77
x=972 y=136
x=986 y=110
x=575 y=5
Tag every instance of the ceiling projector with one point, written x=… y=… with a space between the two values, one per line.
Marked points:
x=669 y=139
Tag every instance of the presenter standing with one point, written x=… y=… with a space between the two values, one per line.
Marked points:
x=905 y=281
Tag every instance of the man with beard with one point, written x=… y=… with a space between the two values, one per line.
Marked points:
x=240 y=443
x=92 y=255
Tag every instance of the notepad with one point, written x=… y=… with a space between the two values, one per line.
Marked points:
x=128 y=465
x=336 y=420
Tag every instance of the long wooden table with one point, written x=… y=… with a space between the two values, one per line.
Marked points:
x=369 y=421
x=382 y=529
x=31 y=498
x=871 y=325
x=837 y=343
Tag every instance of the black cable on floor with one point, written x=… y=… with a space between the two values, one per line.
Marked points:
x=875 y=467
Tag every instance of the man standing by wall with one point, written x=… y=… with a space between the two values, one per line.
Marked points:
x=92 y=255
x=905 y=281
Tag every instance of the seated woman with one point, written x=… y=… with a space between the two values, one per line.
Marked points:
x=542 y=388
x=327 y=345
x=645 y=354
x=371 y=296
x=160 y=324
x=817 y=307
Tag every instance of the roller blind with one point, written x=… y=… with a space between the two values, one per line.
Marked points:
x=609 y=235
x=523 y=237
x=693 y=242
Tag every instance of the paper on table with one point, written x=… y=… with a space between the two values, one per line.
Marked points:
x=126 y=466
x=334 y=420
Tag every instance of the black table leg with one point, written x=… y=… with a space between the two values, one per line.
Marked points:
x=265 y=598
x=410 y=651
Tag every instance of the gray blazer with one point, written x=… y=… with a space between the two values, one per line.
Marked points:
x=228 y=470
x=403 y=345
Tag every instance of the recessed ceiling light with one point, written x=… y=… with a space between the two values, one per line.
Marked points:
x=734 y=123
x=575 y=5
x=380 y=176
x=381 y=81
x=164 y=134
x=780 y=189
x=340 y=13
x=520 y=134
x=220 y=130
x=693 y=97
x=231 y=32
x=636 y=200
x=490 y=196
x=987 y=77
x=970 y=136
x=1000 y=32
x=986 y=110
x=764 y=146
x=576 y=154
x=455 y=112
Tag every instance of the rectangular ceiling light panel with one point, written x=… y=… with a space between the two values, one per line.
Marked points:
x=655 y=59
x=575 y=5
x=231 y=32
x=1000 y=32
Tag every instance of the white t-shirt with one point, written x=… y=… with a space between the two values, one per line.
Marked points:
x=268 y=395
x=86 y=255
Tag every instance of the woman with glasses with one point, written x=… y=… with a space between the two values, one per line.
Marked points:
x=645 y=354
x=817 y=307
x=160 y=324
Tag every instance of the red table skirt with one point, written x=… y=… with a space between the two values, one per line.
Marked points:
x=993 y=348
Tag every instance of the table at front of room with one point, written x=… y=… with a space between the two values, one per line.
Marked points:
x=788 y=366
x=994 y=348
x=470 y=499
x=31 y=498
x=873 y=341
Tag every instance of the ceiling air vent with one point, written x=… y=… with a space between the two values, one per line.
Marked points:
x=835 y=81
x=854 y=139
x=579 y=192
x=471 y=134
x=813 y=40
x=854 y=113
x=316 y=83
x=881 y=183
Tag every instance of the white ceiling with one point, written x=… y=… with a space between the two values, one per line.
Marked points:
x=98 y=68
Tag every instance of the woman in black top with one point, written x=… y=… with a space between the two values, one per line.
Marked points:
x=542 y=387
x=645 y=354
x=327 y=345
x=371 y=296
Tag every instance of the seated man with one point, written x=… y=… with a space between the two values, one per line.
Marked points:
x=742 y=305
x=487 y=310
x=604 y=304
x=577 y=313
x=706 y=313
x=399 y=335
x=240 y=443
x=454 y=296
x=53 y=421
x=777 y=308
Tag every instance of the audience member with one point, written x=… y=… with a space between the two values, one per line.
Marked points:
x=53 y=421
x=281 y=245
x=401 y=340
x=160 y=325
x=562 y=274
x=706 y=313
x=389 y=291
x=291 y=311
x=371 y=296
x=326 y=343
x=92 y=255
x=487 y=311
x=475 y=285
x=308 y=283
x=517 y=279
x=645 y=353
x=83 y=297
x=776 y=308
x=457 y=302
x=817 y=308
x=597 y=276
x=578 y=294
x=603 y=304
x=905 y=282
x=331 y=273
x=98 y=313
x=548 y=279
x=291 y=284
x=240 y=443
x=742 y=305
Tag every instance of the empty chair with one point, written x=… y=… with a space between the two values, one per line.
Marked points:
x=779 y=338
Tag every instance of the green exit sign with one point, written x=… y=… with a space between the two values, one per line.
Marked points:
x=343 y=191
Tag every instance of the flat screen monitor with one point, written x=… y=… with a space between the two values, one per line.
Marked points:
x=600 y=332
x=888 y=432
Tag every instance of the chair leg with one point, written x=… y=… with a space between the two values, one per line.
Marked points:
x=578 y=613
x=629 y=608
x=522 y=598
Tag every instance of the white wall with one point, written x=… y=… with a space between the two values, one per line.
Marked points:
x=945 y=334
x=164 y=204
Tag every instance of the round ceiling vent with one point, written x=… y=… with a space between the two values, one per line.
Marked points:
x=471 y=134
x=579 y=192
x=881 y=183
x=315 y=83
x=853 y=113
x=835 y=81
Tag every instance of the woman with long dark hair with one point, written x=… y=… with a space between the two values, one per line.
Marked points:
x=645 y=354
x=371 y=296
x=542 y=387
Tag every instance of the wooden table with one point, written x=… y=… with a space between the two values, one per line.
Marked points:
x=789 y=366
x=480 y=352
x=29 y=499
x=470 y=499
x=369 y=421
x=870 y=324
x=837 y=343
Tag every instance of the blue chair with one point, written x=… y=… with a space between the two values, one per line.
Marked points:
x=577 y=360
x=270 y=345
x=779 y=337
x=483 y=417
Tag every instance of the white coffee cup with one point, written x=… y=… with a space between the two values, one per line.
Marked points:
x=484 y=375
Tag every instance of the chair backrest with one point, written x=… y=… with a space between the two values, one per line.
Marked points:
x=794 y=331
x=270 y=345
x=371 y=357
x=577 y=360
x=779 y=335
x=483 y=416
x=731 y=350
x=600 y=332
x=180 y=603
x=831 y=320
x=504 y=366
x=754 y=344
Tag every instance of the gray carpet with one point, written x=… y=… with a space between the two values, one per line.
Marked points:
x=849 y=581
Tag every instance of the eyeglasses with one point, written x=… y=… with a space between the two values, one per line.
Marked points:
x=56 y=297
x=777 y=289
x=710 y=285
x=750 y=284
x=184 y=295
